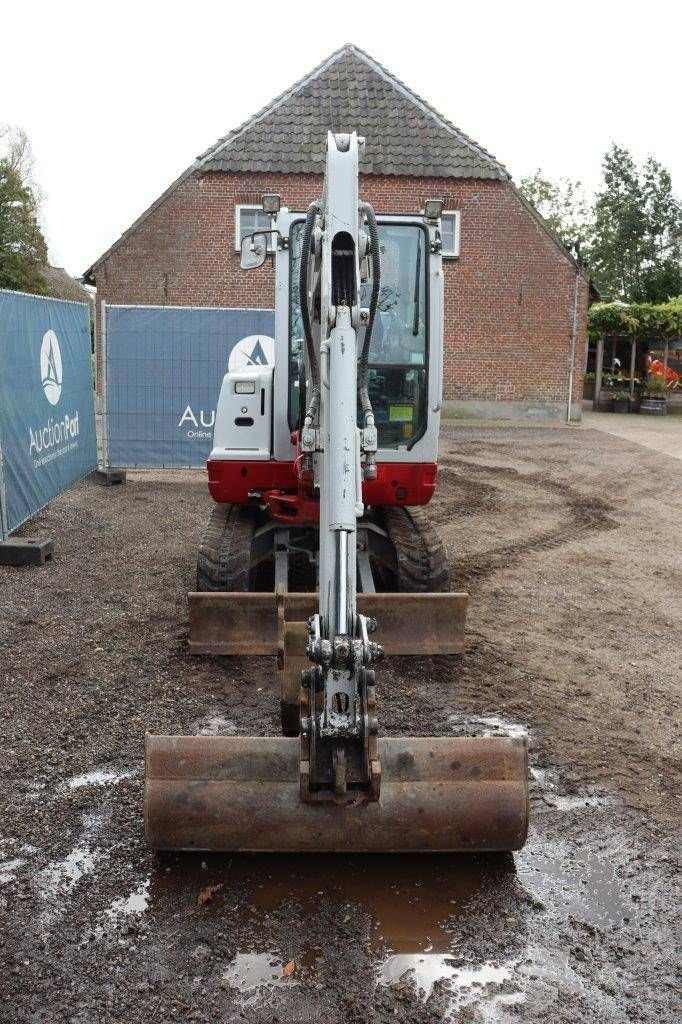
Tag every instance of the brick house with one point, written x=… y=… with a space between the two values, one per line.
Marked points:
x=509 y=283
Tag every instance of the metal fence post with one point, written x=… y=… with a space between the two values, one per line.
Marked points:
x=4 y=527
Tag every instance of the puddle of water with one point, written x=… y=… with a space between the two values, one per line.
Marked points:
x=546 y=788
x=411 y=899
x=574 y=803
x=129 y=906
x=98 y=777
x=409 y=896
x=63 y=874
x=582 y=885
x=480 y=984
x=256 y=974
x=490 y=725
x=9 y=868
x=551 y=968
x=11 y=864
x=425 y=969
x=56 y=881
x=214 y=725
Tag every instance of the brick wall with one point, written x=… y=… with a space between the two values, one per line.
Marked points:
x=508 y=297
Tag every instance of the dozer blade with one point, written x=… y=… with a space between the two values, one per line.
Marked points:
x=234 y=794
x=247 y=623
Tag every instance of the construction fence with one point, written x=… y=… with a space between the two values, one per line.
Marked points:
x=161 y=371
x=47 y=414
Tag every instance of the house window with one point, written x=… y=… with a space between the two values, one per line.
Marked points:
x=449 y=229
x=248 y=219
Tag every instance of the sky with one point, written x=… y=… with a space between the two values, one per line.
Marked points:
x=118 y=98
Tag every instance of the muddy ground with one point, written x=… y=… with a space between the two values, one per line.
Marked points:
x=569 y=543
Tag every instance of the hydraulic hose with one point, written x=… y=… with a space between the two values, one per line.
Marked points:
x=314 y=403
x=363 y=368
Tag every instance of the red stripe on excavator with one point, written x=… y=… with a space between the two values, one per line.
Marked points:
x=397 y=483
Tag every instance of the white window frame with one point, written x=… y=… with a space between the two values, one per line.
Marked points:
x=237 y=225
x=446 y=253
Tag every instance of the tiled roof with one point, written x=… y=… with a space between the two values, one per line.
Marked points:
x=347 y=92
x=351 y=92
x=61 y=285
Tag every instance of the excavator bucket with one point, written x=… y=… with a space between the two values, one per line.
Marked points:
x=232 y=793
x=243 y=793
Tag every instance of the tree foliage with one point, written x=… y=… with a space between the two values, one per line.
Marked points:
x=636 y=244
x=562 y=204
x=23 y=252
x=631 y=235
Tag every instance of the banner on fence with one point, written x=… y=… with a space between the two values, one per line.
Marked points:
x=47 y=413
x=163 y=367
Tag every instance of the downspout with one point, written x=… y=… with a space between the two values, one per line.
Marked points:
x=574 y=333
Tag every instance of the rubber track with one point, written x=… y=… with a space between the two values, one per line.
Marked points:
x=224 y=559
x=420 y=556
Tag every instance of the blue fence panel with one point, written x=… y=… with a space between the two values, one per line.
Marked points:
x=47 y=413
x=163 y=371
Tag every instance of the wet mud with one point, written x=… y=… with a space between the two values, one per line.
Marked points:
x=573 y=639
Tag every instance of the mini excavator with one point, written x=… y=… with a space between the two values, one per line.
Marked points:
x=319 y=468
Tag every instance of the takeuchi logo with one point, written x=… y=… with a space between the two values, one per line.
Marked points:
x=51 y=367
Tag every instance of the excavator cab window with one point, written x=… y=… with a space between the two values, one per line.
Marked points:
x=399 y=350
x=295 y=324
x=398 y=356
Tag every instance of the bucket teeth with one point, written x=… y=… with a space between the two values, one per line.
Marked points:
x=242 y=794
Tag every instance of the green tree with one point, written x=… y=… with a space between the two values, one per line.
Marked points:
x=561 y=203
x=635 y=248
x=23 y=252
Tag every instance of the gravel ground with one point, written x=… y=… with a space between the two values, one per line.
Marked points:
x=568 y=542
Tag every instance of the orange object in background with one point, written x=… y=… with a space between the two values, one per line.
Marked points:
x=672 y=378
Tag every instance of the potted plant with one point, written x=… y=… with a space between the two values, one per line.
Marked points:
x=608 y=384
x=588 y=386
x=655 y=399
x=621 y=401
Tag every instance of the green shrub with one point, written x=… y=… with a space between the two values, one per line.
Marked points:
x=655 y=386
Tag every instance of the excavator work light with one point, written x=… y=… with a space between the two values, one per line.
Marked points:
x=271 y=203
x=433 y=209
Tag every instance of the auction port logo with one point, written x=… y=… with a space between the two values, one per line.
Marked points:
x=51 y=367
x=255 y=350
x=55 y=438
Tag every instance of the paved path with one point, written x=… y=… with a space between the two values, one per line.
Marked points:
x=662 y=433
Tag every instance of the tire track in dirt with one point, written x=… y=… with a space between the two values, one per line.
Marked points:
x=478 y=497
x=585 y=514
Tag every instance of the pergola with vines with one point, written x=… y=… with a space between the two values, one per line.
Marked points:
x=635 y=321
